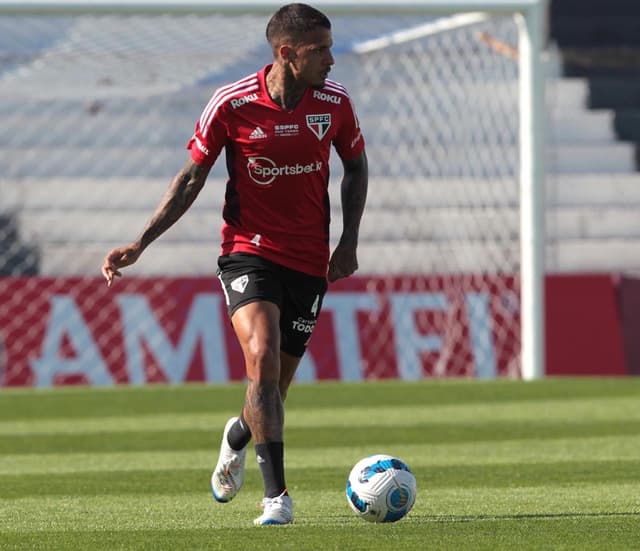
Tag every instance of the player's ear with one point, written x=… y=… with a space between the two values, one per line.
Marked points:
x=286 y=52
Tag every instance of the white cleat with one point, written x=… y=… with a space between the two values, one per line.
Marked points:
x=228 y=476
x=277 y=510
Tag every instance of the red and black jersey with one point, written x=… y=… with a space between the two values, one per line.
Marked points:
x=277 y=201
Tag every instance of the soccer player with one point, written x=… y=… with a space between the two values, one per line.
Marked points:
x=277 y=127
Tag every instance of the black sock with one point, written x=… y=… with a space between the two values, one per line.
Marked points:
x=239 y=434
x=270 y=458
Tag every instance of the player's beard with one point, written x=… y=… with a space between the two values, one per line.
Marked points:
x=324 y=81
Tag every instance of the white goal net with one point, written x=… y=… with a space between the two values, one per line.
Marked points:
x=97 y=109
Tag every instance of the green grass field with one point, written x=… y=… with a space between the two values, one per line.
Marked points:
x=504 y=464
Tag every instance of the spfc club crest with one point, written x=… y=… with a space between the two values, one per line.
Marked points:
x=319 y=124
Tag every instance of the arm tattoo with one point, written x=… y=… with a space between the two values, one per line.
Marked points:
x=180 y=195
x=354 y=195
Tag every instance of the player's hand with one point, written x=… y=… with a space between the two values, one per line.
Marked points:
x=343 y=262
x=119 y=258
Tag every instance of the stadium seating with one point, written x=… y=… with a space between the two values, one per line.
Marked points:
x=82 y=175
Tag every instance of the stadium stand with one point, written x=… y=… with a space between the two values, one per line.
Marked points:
x=599 y=43
x=100 y=158
x=18 y=258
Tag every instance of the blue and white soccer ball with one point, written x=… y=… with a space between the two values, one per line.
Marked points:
x=381 y=488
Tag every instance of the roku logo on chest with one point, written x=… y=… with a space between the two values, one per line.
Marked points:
x=323 y=96
x=264 y=171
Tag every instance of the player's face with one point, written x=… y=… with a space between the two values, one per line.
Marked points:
x=313 y=59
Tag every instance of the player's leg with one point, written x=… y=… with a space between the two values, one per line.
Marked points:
x=299 y=308
x=301 y=302
x=288 y=366
x=252 y=294
x=257 y=327
x=238 y=434
x=245 y=279
x=258 y=330
x=228 y=475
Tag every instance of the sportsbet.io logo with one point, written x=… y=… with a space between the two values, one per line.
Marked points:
x=264 y=171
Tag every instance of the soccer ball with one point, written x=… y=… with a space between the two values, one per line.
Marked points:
x=381 y=488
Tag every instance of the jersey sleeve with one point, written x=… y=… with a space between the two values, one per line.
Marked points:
x=208 y=138
x=349 y=141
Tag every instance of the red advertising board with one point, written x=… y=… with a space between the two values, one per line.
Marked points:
x=629 y=301
x=73 y=330
x=583 y=326
x=146 y=330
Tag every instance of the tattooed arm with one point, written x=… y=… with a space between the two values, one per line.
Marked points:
x=176 y=201
x=344 y=261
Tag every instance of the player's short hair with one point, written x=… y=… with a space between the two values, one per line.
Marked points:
x=293 y=22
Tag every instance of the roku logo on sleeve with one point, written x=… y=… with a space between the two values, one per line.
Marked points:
x=239 y=102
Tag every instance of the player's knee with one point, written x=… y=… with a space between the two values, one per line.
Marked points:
x=263 y=363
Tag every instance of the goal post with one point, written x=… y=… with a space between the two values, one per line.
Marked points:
x=529 y=16
x=450 y=94
x=532 y=191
